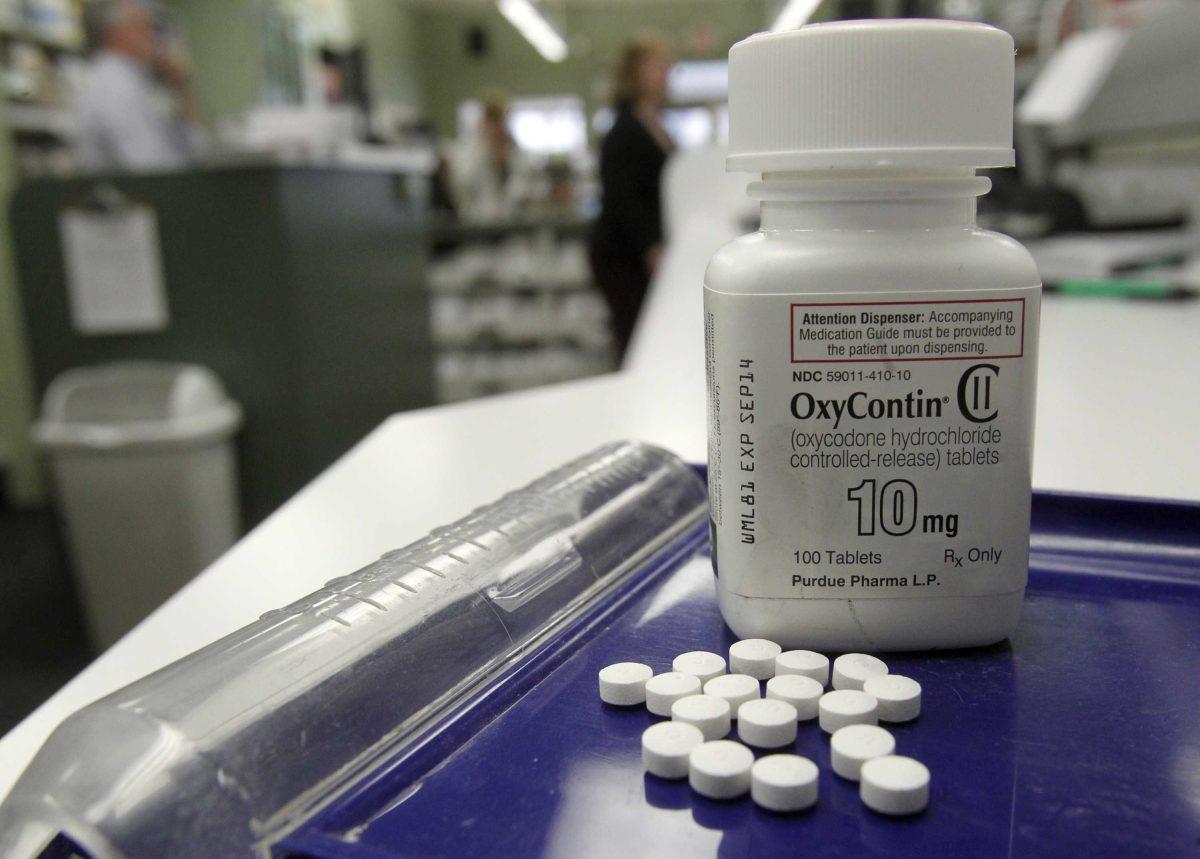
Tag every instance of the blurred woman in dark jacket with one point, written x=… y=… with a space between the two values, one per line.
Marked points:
x=627 y=240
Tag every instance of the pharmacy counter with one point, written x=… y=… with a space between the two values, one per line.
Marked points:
x=286 y=281
x=1117 y=414
x=1111 y=419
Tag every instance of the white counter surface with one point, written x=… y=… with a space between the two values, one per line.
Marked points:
x=1118 y=413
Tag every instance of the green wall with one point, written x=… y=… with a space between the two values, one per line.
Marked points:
x=387 y=30
x=416 y=52
x=17 y=458
x=594 y=31
x=225 y=43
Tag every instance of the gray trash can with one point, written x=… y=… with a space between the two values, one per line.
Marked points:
x=143 y=465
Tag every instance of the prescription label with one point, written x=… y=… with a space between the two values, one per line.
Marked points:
x=868 y=445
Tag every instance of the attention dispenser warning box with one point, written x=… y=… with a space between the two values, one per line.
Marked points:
x=908 y=331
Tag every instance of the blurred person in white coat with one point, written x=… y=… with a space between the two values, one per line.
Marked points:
x=491 y=177
x=134 y=110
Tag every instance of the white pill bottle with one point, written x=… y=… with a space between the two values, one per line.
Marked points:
x=871 y=352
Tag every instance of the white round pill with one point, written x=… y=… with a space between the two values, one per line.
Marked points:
x=663 y=690
x=799 y=690
x=754 y=656
x=720 y=769
x=707 y=712
x=846 y=707
x=666 y=746
x=852 y=746
x=806 y=663
x=894 y=785
x=899 y=697
x=737 y=689
x=624 y=683
x=699 y=663
x=784 y=782
x=850 y=670
x=766 y=723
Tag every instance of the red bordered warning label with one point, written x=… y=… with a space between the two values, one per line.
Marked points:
x=878 y=331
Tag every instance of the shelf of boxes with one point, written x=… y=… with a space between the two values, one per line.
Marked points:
x=40 y=119
x=513 y=306
x=40 y=54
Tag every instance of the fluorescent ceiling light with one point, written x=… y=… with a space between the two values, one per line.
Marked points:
x=532 y=24
x=795 y=13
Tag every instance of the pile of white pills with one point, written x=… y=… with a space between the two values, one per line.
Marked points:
x=703 y=701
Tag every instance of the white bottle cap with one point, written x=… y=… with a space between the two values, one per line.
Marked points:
x=855 y=94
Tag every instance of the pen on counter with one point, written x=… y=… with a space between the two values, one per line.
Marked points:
x=1123 y=288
